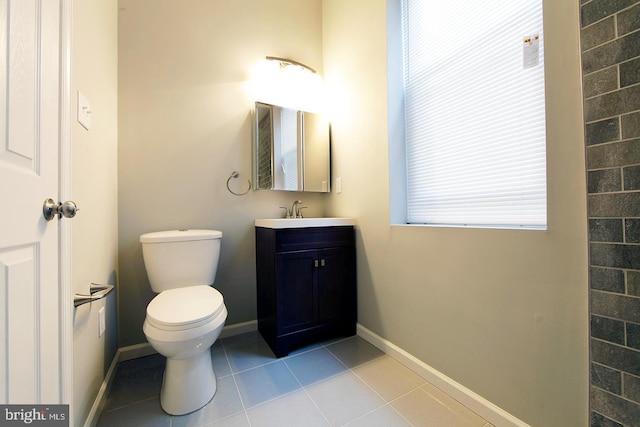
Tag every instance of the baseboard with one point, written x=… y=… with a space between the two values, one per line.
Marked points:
x=481 y=406
x=142 y=350
x=103 y=392
x=135 y=351
x=239 y=328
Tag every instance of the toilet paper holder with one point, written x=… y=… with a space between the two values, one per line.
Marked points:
x=96 y=292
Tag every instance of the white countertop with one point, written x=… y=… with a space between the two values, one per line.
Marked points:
x=303 y=222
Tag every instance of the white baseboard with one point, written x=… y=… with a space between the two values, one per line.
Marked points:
x=135 y=351
x=481 y=406
x=239 y=328
x=101 y=398
x=142 y=350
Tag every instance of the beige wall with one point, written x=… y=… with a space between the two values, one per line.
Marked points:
x=185 y=126
x=502 y=312
x=94 y=189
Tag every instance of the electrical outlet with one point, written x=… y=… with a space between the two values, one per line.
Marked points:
x=102 y=326
x=339 y=185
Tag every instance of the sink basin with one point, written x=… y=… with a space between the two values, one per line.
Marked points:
x=303 y=222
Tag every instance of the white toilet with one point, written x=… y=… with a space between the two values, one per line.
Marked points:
x=186 y=318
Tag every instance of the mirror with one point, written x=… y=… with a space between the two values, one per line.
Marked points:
x=291 y=150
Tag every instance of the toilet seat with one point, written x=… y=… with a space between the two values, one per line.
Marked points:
x=184 y=308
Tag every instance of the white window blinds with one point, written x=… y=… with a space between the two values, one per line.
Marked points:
x=475 y=112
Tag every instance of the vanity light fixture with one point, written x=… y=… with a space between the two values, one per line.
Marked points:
x=287 y=83
x=284 y=63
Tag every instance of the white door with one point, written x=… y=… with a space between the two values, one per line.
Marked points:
x=30 y=334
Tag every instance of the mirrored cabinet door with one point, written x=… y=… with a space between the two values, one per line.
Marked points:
x=316 y=152
x=291 y=150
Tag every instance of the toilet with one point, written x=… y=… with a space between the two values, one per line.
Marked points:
x=186 y=317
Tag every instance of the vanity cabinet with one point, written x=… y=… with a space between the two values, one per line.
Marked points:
x=306 y=285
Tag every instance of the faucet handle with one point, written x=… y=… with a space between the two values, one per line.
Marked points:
x=286 y=211
x=300 y=211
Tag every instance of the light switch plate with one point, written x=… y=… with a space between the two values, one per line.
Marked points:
x=84 y=111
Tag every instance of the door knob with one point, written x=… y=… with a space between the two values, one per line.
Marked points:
x=67 y=209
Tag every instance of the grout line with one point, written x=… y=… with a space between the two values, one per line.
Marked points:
x=617 y=36
x=618 y=89
x=244 y=407
x=376 y=409
x=387 y=403
x=304 y=388
x=255 y=367
x=273 y=399
x=132 y=404
x=625 y=113
x=246 y=415
x=233 y=376
x=350 y=370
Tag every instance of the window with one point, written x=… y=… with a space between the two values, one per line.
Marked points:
x=474 y=108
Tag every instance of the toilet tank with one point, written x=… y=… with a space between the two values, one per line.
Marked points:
x=180 y=258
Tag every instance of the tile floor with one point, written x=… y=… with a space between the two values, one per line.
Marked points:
x=342 y=382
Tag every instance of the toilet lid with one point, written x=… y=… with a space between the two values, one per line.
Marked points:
x=187 y=306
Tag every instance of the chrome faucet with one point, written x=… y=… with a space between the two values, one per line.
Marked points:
x=295 y=209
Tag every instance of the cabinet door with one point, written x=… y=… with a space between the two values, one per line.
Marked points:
x=336 y=285
x=295 y=288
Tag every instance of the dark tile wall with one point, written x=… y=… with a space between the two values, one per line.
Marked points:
x=610 y=41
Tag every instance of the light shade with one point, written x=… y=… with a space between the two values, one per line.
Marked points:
x=288 y=83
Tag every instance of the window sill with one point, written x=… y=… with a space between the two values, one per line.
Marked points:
x=482 y=227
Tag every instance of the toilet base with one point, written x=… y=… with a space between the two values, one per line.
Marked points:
x=188 y=384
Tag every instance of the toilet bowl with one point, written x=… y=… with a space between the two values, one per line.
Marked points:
x=182 y=325
x=186 y=317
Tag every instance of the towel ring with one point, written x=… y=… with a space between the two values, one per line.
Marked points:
x=235 y=174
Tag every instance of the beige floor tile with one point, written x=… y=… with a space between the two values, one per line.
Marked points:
x=384 y=416
x=389 y=378
x=454 y=406
x=344 y=398
x=421 y=409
